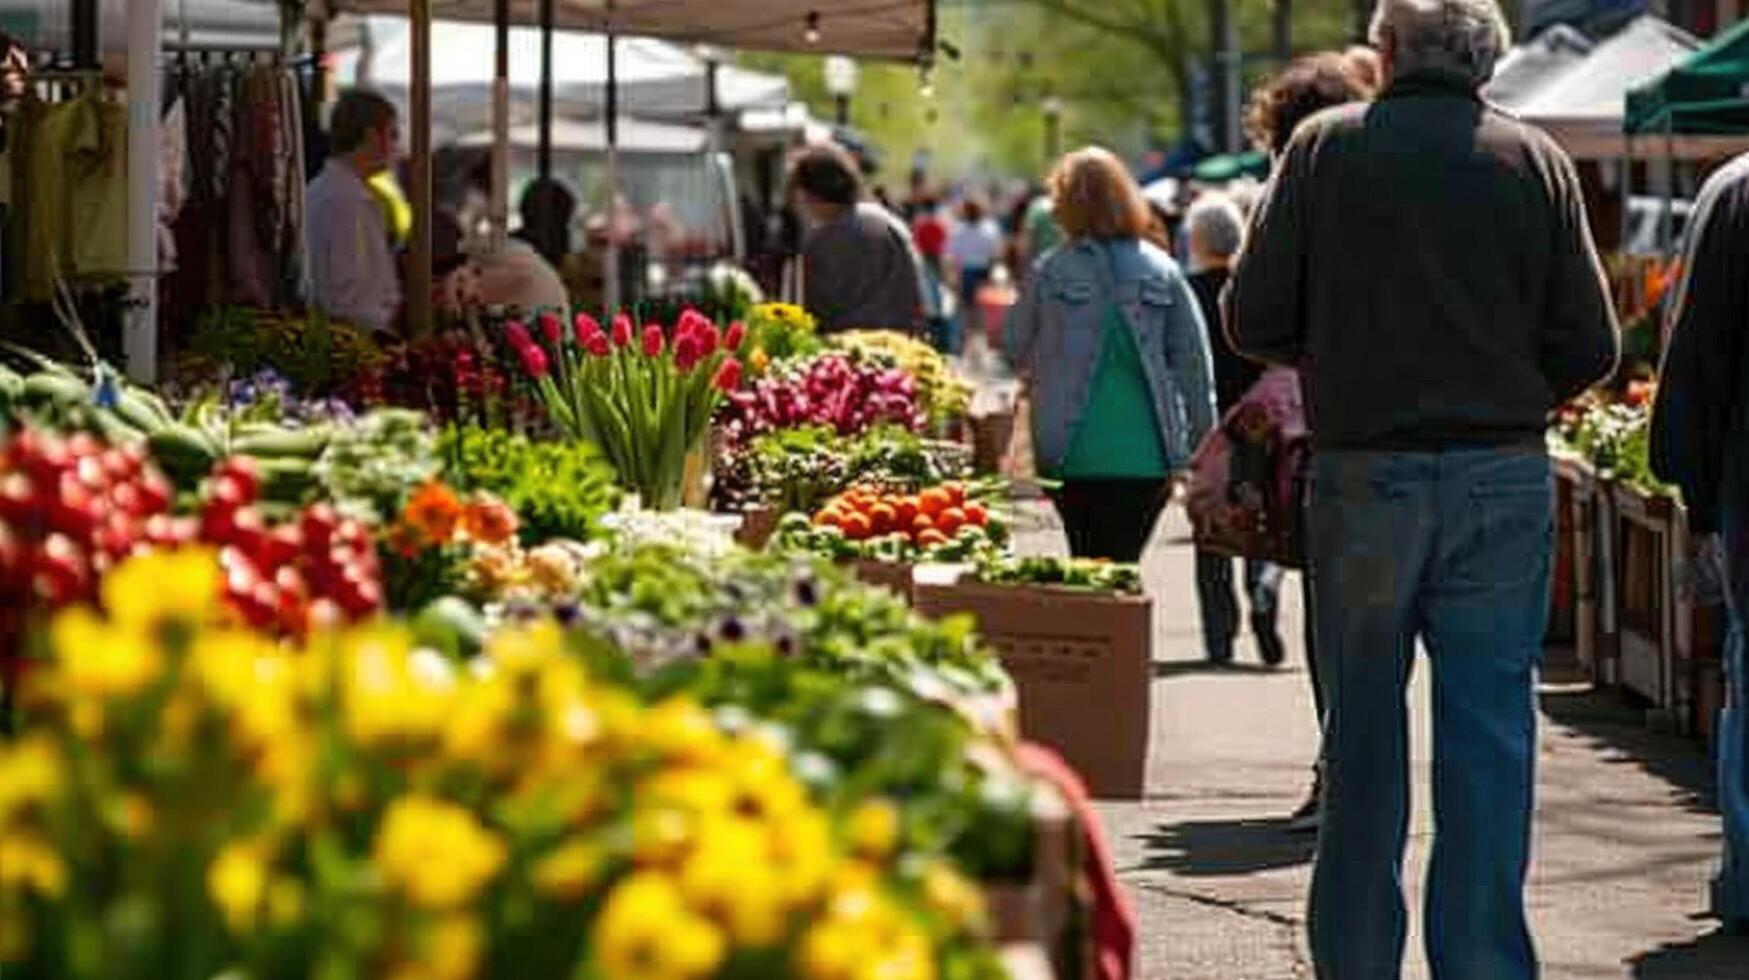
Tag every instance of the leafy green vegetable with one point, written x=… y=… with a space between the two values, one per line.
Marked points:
x=558 y=489
x=371 y=468
x=1071 y=573
x=799 y=469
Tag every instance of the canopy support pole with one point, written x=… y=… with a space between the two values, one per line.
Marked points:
x=84 y=32
x=419 y=272
x=610 y=267
x=544 y=162
x=145 y=29
x=500 y=216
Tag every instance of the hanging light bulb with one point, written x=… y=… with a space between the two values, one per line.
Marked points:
x=811 y=33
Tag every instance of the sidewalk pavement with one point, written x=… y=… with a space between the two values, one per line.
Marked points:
x=1626 y=836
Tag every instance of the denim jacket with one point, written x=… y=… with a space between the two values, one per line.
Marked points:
x=1053 y=338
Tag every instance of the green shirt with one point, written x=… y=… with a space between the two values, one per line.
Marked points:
x=1118 y=436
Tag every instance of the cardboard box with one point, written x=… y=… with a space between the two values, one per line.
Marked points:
x=1082 y=663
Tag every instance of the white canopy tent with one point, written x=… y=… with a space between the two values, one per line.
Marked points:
x=1583 y=107
x=657 y=79
x=891 y=29
x=578 y=136
x=1532 y=66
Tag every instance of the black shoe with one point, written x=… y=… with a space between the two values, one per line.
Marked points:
x=1306 y=819
x=1269 y=646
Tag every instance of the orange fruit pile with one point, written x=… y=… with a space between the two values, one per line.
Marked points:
x=929 y=518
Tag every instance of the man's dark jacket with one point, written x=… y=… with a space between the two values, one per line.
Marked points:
x=1700 y=438
x=1425 y=260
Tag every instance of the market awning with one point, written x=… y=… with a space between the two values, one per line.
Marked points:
x=234 y=25
x=657 y=79
x=1584 y=107
x=1530 y=67
x=893 y=29
x=1707 y=95
x=574 y=136
x=1232 y=166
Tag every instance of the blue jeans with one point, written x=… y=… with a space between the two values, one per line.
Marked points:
x=1731 y=888
x=1453 y=549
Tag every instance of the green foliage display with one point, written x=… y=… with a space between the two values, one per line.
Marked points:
x=558 y=489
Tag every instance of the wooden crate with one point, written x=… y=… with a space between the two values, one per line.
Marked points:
x=896 y=577
x=1645 y=588
x=1590 y=526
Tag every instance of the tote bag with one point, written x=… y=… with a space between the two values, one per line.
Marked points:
x=1247 y=478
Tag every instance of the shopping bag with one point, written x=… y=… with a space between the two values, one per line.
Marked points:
x=1247 y=478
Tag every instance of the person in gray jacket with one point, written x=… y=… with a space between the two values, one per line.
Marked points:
x=860 y=269
x=1111 y=342
x=1431 y=361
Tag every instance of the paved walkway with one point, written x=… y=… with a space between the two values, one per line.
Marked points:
x=1626 y=837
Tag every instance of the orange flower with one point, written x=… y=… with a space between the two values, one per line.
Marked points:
x=489 y=521
x=434 y=512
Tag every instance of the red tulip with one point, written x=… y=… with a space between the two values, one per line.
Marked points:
x=735 y=337
x=552 y=328
x=728 y=376
x=534 y=361
x=653 y=340
x=597 y=344
x=687 y=352
x=622 y=330
x=710 y=338
x=588 y=332
x=518 y=335
x=583 y=326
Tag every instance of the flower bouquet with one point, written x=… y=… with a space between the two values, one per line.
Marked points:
x=646 y=400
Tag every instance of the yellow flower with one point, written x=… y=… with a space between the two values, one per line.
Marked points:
x=452 y=948
x=435 y=853
x=679 y=730
x=873 y=830
x=569 y=872
x=30 y=776
x=759 y=361
x=954 y=898
x=388 y=696
x=237 y=881
x=29 y=863
x=164 y=586
x=804 y=851
x=285 y=902
x=645 y=932
x=101 y=661
x=730 y=877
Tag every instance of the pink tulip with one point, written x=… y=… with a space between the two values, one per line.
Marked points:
x=691 y=321
x=622 y=330
x=518 y=335
x=735 y=337
x=653 y=341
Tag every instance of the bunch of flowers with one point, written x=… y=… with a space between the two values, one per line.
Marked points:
x=830 y=391
x=943 y=393
x=777 y=333
x=646 y=399
x=443 y=542
x=268 y=395
x=1616 y=439
x=558 y=489
x=190 y=800
x=315 y=353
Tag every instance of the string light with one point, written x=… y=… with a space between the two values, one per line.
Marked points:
x=812 y=33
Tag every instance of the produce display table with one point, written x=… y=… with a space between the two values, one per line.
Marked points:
x=1645 y=589
x=1081 y=663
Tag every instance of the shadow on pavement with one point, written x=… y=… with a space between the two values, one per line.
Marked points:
x=1181 y=668
x=1618 y=732
x=1214 y=848
x=1711 y=957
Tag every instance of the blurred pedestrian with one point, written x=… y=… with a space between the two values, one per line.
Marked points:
x=1700 y=442
x=353 y=274
x=1432 y=358
x=973 y=247
x=1215 y=230
x=1108 y=336
x=860 y=268
x=1305 y=88
x=930 y=232
x=548 y=209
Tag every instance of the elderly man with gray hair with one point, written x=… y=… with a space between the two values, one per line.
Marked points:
x=1425 y=261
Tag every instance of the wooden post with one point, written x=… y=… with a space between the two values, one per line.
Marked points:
x=419 y=252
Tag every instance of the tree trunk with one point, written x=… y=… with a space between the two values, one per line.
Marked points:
x=1282 y=31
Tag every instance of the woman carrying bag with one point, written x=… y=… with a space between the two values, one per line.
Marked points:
x=1109 y=338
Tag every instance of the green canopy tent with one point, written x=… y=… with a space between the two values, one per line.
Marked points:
x=1706 y=95
x=1232 y=166
x=1698 y=110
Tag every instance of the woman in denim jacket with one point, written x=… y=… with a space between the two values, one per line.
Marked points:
x=1110 y=339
